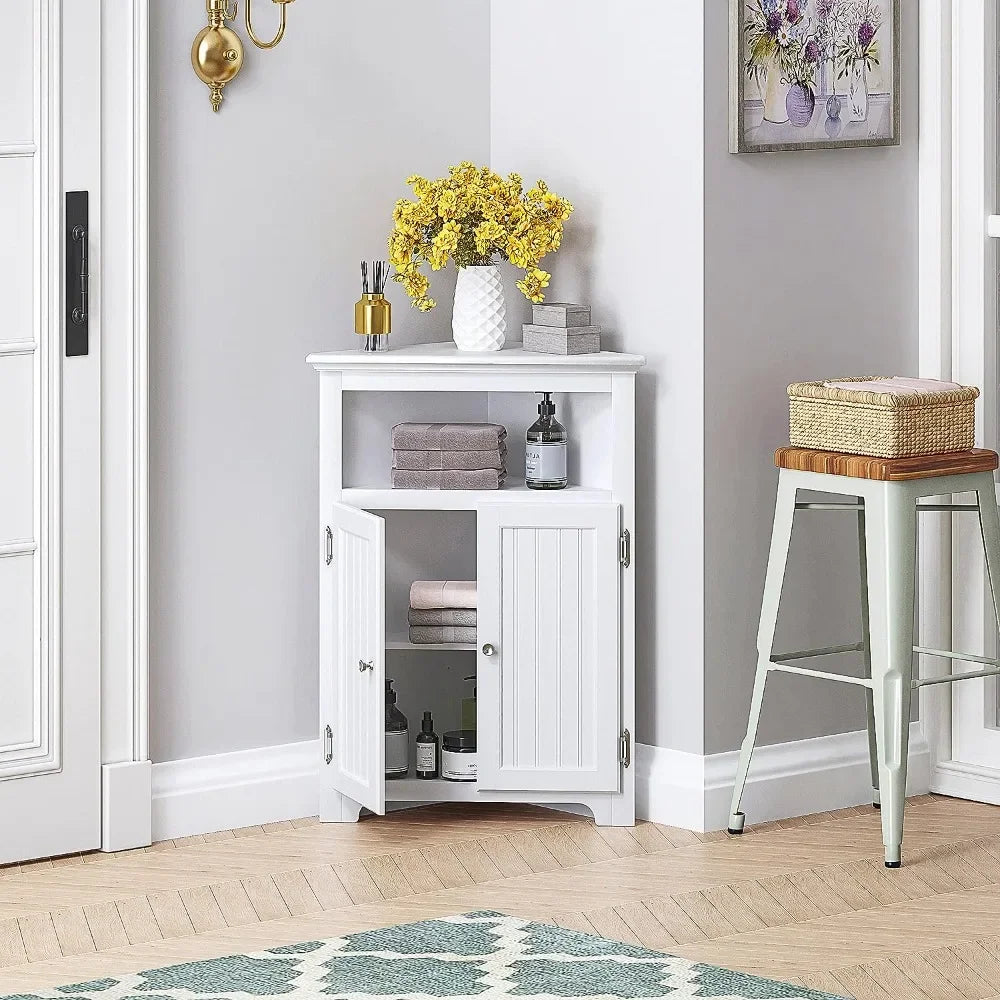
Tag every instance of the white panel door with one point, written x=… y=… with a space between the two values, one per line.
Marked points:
x=353 y=654
x=49 y=437
x=550 y=608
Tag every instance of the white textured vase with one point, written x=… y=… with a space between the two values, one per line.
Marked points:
x=479 y=322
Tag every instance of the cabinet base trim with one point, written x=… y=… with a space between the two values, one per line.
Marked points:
x=232 y=790
x=786 y=780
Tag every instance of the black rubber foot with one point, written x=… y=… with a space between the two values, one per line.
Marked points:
x=735 y=833
x=876 y=805
x=894 y=864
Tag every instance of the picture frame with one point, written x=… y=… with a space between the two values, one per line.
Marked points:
x=813 y=74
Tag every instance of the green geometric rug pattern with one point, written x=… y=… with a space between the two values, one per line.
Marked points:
x=475 y=955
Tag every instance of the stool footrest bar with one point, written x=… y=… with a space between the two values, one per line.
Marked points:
x=850 y=647
x=824 y=675
x=946 y=507
x=806 y=505
x=990 y=661
x=965 y=675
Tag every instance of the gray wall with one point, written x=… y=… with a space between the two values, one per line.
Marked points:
x=810 y=272
x=259 y=217
x=616 y=127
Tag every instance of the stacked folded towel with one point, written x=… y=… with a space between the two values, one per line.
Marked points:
x=449 y=456
x=442 y=611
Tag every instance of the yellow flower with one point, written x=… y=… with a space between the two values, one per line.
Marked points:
x=470 y=217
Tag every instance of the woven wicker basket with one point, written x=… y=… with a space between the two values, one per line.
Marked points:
x=879 y=423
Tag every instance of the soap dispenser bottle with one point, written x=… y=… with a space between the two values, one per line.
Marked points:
x=397 y=737
x=428 y=746
x=545 y=451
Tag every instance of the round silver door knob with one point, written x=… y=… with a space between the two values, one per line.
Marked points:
x=363 y=666
x=489 y=649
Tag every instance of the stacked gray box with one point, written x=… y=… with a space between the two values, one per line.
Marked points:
x=562 y=328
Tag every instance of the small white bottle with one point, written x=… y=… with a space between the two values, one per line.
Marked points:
x=545 y=450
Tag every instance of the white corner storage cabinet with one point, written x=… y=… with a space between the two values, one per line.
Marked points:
x=553 y=667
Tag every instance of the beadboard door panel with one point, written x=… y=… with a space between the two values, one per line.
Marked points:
x=550 y=605
x=353 y=651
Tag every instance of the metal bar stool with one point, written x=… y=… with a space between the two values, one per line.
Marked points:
x=886 y=492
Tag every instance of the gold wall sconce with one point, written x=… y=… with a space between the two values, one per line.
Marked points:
x=217 y=53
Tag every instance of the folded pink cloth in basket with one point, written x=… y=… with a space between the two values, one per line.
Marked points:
x=897 y=386
x=443 y=594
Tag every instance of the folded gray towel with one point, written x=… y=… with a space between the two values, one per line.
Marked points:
x=442 y=616
x=449 y=479
x=436 y=461
x=427 y=594
x=448 y=437
x=441 y=633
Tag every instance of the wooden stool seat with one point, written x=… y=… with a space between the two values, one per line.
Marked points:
x=887 y=470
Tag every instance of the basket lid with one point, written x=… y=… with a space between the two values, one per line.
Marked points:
x=881 y=390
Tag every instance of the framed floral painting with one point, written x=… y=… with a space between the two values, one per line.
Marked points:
x=813 y=74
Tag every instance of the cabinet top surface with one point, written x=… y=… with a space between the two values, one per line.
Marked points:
x=445 y=356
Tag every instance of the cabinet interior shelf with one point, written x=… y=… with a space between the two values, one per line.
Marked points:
x=402 y=642
x=376 y=498
x=431 y=790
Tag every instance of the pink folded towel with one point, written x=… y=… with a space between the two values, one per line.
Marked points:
x=897 y=386
x=426 y=594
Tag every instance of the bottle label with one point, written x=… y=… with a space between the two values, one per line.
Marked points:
x=545 y=461
x=396 y=747
x=426 y=757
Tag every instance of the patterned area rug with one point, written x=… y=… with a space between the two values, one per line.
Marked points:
x=476 y=955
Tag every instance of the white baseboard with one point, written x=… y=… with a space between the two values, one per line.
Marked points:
x=786 y=780
x=125 y=801
x=966 y=781
x=232 y=790
x=250 y=787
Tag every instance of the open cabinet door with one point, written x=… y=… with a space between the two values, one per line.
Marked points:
x=353 y=655
x=549 y=667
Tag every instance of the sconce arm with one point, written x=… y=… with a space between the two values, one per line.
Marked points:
x=281 y=25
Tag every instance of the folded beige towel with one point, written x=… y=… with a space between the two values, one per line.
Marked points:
x=434 y=461
x=448 y=437
x=426 y=594
x=448 y=479
x=441 y=633
x=442 y=616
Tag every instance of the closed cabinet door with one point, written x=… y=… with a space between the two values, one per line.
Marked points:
x=352 y=655
x=549 y=663
x=50 y=556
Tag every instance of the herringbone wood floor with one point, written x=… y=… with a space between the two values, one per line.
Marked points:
x=805 y=900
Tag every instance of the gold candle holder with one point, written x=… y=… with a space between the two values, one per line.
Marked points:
x=373 y=320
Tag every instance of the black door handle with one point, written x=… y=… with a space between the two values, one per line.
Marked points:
x=77 y=273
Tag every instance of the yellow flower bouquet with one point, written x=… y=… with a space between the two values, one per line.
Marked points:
x=475 y=217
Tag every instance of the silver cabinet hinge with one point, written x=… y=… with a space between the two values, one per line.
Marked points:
x=328 y=745
x=329 y=545
x=625 y=548
x=625 y=749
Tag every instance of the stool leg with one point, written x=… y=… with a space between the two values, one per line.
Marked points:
x=891 y=536
x=866 y=654
x=989 y=525
x=781 y=535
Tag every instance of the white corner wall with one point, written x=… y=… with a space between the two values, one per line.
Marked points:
x=259 y=217
x=616 y=125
